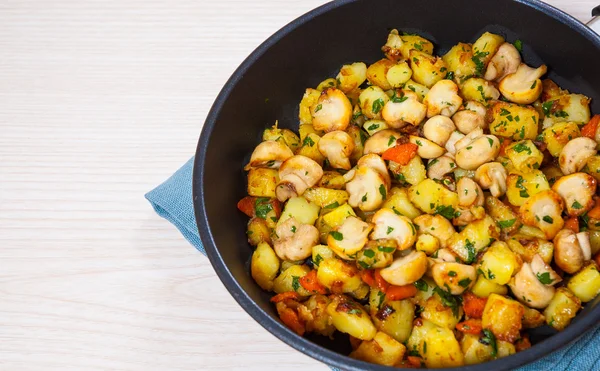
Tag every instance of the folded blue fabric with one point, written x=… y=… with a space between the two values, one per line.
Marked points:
x=173 y=201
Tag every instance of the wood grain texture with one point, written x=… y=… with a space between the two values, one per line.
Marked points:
x=99 y=102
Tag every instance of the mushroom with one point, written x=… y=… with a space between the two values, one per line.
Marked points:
x=391 y=49
x=435 y=225
x=333 y=111
x=442 y=99
x=388 y=224
x=402 y=109
x=366 y=188
x=528 y=289
x=350 y=238
x=543 y=210
x=476 y=149
x=467 y=121
x=506 y=61
x=439 y=167
x=476 y=107
x=455 y=277
x=543 y=271
x=381 y=141
x=575 y=154
x=269 y=154
x=427 y=149
x=469 y=192
x=406 y=269
x=375 y=162
x=455 y=137
x=296 y=175
x=492 y=176
x=294 y=241
x=571 y=250
x=438 y=129
x=337 y=146
x=576 y=191
x=468 y=215
x=524 y=85
x=444 y=255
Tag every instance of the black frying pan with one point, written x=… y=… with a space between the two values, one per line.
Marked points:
x=270 y=83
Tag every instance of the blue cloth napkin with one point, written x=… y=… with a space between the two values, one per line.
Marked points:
x=173 y=201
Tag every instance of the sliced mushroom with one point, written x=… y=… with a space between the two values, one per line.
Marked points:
x=524 y=85
x=442 y=99
x=404 y=108
x=337 y=146
x=439 y=167
x=467 y=121
x=296 y=175
x=438 y=129
x=571 y=250
x=426 y=148
x=390 y=225
x=294 y=241
x=543 y=210
x=437 y=226
x=506 y=61
x=444 y=255
x=350 y=238
x=492 y=176
x=269 y=154
x=455 y=137
x=381 y=141
x=476 y=107
x=476 y=149
x=577 y=191
x=406 y=269
x=375 y=162
x=544 y=272
x=528 y=289
x=366 y=188
x=575 y=154
x=333 y=111
x=392 y=46
x=469 y=193
x=453 y=276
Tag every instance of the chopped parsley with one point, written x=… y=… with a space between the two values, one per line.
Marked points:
x=308 y=142
x=521 y=147
x=398 y=99
x=452 y=273
x=479 y=65
x=490 y=141
x=450 y=75
x=262 y=207
x=364 y=198
x=293 y=229
x=392 y=140
x=318 y=259
x=382 y=191
x=448 y=300
x=447 y=212
x=377 y=105
x=336 y=235
x=471 y=253
x=546 y=107
x=373 y=127
x=464 y=282
x=390 y=230
x=295 y=282
x=507 y=223
x=369 y=253
x=354 y=311
x=544 y=278
x=504 y=112
x=519 y=45
x=576 y=205
x=318 y=108
x=386 y=249
x=548 y=219
x=421 y=285
x=489 y=339
x=332 y=206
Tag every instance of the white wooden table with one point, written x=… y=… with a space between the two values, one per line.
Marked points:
x=101 y=100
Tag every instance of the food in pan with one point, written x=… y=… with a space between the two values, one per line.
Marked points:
x=432 y=208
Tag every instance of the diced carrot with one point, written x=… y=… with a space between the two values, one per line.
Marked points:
x=589 y=129
x=415 y=361
x=246 y=205
x=470 y=326
x=381 y=284
x=276 y=206
x=572 y=224
x=595 y=212
x=284 y=296
x=523 y=343
x=473 y=305
x=505 y=143
x=310 y=283
x=400 y=292
x=401 y=153
x=291 y=320
x=368 y=277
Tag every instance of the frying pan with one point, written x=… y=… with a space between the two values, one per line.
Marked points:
x=269 y=84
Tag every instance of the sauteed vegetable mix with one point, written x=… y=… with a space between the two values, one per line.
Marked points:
x=432 y=208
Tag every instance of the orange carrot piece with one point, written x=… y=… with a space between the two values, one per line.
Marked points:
x=572 y=224
x=589 y=129
x=470 y=326
x=523 y=343
x=310 y=283
x=414 y=361
x=505 y=143
x=246 y=205
x=368 y=277
x=595 y=212
x=285 y=296
x=382 y=284
x=473 y=305
x=291 y=320
x=401 y=153
x=400 y=292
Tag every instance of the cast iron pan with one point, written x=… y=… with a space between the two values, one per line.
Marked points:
x=270 y=83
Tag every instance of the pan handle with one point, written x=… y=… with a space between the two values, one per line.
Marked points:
x=594 y=23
